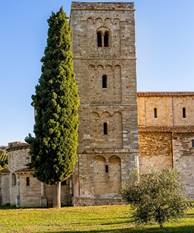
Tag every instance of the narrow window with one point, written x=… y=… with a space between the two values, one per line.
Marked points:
x=13 y=179
x=99 y=39
x=192 y=143
x=104 y=81
x=184 y=112
x=155 y=113
x=106 y=39
x=105 y=128
x=106 y=168
x=27 y=181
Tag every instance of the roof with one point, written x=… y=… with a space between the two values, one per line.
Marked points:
x=12 y=146
x=164 y=94
x=24 y=170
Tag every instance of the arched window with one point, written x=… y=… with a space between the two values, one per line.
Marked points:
x=105 y=128
x=104 y=81
x=99 y=39
x=106 y=39
x=103 y=37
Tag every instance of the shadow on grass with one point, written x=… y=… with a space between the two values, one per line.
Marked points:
x=102 y=224
x=181 y=229
x=7 y=207
x=189 y=215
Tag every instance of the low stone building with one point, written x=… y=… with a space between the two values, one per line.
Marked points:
x=20 y=188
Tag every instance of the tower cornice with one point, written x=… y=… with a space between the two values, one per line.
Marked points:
x=105 y=6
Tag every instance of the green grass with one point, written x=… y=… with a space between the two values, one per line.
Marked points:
x=100 y=219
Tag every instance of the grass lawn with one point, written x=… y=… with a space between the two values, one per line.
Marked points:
x=100 y=219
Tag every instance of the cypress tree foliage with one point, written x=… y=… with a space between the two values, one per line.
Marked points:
x=56 y=103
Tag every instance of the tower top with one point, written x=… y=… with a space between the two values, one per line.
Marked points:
x=118 y=6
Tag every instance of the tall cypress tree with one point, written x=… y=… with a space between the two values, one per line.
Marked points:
x=56 y=103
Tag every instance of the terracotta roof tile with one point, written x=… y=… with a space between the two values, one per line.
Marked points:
x=163 y=94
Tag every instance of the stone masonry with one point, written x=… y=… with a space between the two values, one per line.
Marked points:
x=166 y=134
x=19 y=187
x=105 y=158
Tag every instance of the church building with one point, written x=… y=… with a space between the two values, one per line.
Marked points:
x=121 y=131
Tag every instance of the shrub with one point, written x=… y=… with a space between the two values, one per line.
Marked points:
x=156 y=197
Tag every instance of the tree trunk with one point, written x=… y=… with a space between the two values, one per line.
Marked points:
x=57 y=196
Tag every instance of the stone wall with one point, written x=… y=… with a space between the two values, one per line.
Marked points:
x=169 y=107
x=165 y=141
x=4 y=189
x=166 y=150
x=184 y=159
x=146 y=107
x=155 y=151
x=18 y=158
x=30 y=195
x=113 y=72
x=186 y=102
x=113 y=139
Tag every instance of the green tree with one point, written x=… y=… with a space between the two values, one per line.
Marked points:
x=56 y=103
x=156 y=197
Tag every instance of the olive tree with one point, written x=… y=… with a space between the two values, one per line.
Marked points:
x=156 y=197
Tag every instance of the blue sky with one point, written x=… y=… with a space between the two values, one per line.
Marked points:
x=165 y=53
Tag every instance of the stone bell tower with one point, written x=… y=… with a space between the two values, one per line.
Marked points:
x=105 y=67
